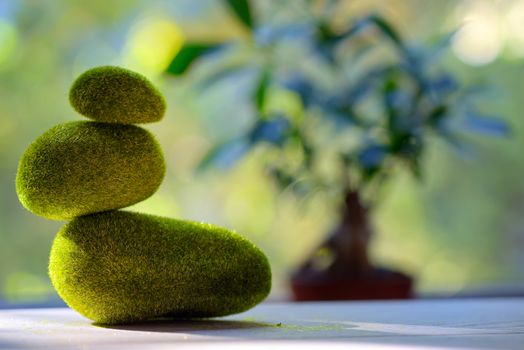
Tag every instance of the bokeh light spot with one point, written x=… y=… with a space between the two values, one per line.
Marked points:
x=515 y=22
x=478 y=42
x=152 y=44
x=8 y=40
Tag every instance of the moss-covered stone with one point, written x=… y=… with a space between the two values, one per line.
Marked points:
x=119 y=267
x=86 y=167
x=116 y=95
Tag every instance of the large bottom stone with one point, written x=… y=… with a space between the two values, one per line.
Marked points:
x=119 y=267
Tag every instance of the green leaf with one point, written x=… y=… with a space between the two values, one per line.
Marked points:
x=275 y=131
x=437 y=114
x=442 y=44
x=328 y=39
x=379 y=22
x=388 y=96
x=242 y=9
x=372 y=156
x=224 y=155
x=386 y=28
x=187 y=55
x=485 y=125
x=261 y=90
x=219 y=76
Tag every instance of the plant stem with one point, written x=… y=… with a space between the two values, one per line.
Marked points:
x=350 y=239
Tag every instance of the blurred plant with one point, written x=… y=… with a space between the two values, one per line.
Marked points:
x=368 y=101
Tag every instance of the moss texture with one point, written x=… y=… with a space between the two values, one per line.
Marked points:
x=116 y=95
x=120 y=267
x=85 y=167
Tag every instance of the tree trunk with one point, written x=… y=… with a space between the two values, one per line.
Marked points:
x=350 y=240
x=348 y=243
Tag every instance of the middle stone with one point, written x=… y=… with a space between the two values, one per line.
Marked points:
x=81 y=168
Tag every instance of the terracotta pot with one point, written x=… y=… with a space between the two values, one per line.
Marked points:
x=379 y=283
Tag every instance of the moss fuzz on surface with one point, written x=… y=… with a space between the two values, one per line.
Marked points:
x=85 y=167
x=116 y=95
x=120 y=267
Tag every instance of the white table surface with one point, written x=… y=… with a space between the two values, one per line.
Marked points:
x=416 y=324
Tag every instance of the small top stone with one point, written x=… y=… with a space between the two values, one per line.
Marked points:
x=116 y=95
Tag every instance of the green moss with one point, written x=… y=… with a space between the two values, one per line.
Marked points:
x=86 y=167
x=116 y=95
x=119 y=267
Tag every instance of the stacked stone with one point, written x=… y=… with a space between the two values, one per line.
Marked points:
x=116 y=266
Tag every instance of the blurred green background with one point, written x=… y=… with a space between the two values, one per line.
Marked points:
x=460 y=229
